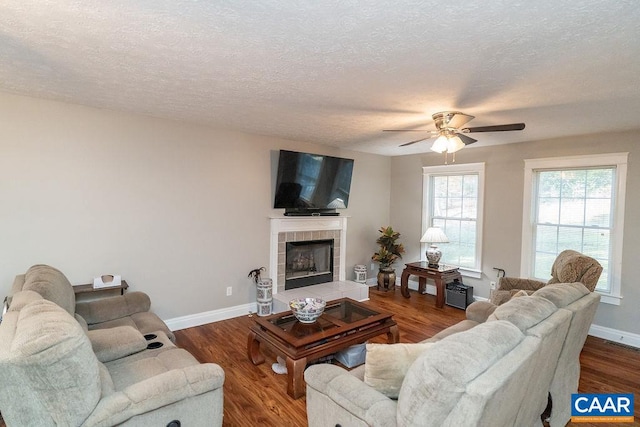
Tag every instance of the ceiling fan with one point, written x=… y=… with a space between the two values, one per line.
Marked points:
x=451 y=135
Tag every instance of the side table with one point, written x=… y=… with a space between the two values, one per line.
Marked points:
x=88 y=288
x=441 y=276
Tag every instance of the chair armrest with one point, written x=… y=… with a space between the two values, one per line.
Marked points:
x=105 y=309
x=115 y=343
x=510 y=283
x=155 y=392
x=480 y=311
x=347 y=393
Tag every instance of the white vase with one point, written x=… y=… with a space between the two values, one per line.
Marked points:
x=264 y=296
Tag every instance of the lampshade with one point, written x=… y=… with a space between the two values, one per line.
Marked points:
x=454 y=144
x=434 y=235
x=440 y=144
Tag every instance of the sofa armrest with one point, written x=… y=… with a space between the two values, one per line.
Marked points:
x=347 y=394
x=106 y=309
x=115 y=343
x=480 y=311
x=510 y=283
x=155 y=392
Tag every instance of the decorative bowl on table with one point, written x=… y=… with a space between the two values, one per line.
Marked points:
x=307 y=310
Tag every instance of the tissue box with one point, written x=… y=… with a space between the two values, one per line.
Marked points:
x=107 y=281
x=352 y=356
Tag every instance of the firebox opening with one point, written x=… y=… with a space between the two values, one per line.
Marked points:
x=308 y=262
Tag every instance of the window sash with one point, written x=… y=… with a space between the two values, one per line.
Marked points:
x=570 y=214
x=617 y=160
x=453 y=201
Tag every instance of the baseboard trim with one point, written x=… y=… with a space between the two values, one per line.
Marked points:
x=198 y=319
x=615 y=335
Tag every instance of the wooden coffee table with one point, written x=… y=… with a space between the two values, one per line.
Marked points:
x=345 y=322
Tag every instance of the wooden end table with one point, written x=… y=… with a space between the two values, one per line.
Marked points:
x=344 y=323
x=88 y=288
x=441 y=275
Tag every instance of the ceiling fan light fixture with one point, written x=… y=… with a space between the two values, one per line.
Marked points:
x=454 y=144
x=440 y=144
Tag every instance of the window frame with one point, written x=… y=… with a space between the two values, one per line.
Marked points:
x=616 y=160
x=427 y=200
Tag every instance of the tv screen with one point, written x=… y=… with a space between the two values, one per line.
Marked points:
x=312 y=182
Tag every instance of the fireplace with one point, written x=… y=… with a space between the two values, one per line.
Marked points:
x=308 y=262
x=285 y=230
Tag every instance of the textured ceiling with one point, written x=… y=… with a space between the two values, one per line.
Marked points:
x=335 y=72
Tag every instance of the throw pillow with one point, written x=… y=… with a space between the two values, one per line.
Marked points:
x=386 y=365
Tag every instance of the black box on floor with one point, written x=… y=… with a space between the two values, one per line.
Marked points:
x=458 y=295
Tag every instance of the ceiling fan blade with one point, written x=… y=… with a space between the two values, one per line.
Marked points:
x=413 y=142
x=496 y=128
x=466 y=139
x=406 y=130
x=459 y=119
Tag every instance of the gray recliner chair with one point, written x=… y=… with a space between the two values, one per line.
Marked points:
x=131 y=309
x=569 y=267
x=51 y=376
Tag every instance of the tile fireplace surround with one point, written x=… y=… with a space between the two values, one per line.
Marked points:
x=296 y=229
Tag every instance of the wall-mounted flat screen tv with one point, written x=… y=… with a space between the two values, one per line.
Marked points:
x=312 y=184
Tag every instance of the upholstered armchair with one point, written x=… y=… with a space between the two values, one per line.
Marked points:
x=569 y=267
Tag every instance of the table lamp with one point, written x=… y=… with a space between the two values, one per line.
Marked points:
x=431 y=236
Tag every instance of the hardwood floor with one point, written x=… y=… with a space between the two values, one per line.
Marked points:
x=255 y=395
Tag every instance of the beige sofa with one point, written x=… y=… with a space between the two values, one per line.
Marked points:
x=131 y=309
x=51 y=375
x=497 y=369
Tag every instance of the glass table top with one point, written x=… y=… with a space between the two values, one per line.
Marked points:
x=336 y=314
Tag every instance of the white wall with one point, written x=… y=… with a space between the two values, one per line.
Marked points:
x=180 y=210
x=504 y=182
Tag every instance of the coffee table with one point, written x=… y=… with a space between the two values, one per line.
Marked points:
x=345 y=322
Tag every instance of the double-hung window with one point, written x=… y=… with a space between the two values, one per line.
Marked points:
x=575 y=203
x=453 y=200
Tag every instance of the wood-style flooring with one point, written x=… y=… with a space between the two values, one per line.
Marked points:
x=256 y=396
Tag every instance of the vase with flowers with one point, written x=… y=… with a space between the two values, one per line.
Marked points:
x=390 y=250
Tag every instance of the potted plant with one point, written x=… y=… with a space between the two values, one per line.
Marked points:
x=388 y=253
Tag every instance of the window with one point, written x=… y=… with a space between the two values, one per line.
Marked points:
x=453 y=198
x=575 y=203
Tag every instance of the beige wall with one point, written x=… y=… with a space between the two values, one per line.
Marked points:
x=180 y=210
x=503 y=209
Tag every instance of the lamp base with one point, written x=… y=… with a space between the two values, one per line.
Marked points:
x=433 y=256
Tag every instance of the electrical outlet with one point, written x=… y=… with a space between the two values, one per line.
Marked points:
x=492 y=285
x=373 y=266
x=229 y=291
